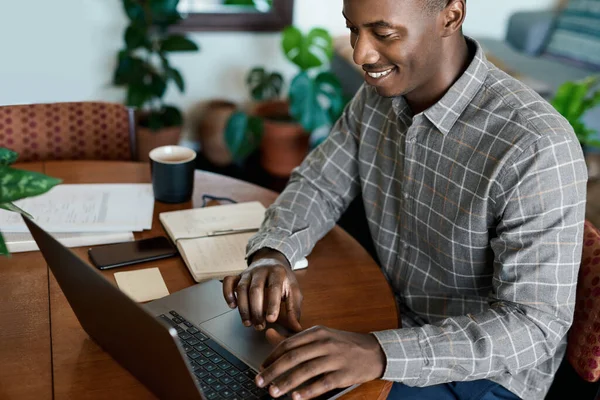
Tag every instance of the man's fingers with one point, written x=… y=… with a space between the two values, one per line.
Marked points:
x=328 y=382
x=274 y=337
x=300 y=339
x=229 y=285
x=242 y=299
x=256 y=296
x=294 y=309
x=296 y=367
x=274 y=294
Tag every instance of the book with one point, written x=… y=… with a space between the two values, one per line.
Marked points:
x=212 y=241
x=23 y=242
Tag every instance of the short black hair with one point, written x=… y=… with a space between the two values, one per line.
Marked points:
x=437 y=5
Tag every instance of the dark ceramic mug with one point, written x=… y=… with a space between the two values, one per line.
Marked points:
x=172 y=169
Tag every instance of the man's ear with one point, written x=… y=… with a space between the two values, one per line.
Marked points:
x=452 y=17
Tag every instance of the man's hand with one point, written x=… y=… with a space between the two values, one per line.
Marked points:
x=336 y=359
x=259 y=291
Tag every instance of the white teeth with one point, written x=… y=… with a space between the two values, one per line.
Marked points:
x=379 y=74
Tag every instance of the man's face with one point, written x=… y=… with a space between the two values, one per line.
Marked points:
x=396 y=42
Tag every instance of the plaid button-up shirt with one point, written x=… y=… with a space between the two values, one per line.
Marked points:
x=476 y=208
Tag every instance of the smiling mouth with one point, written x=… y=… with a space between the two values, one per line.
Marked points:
x=377 y=75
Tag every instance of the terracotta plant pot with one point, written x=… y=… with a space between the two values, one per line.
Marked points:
x=211 y=131
x=148 y=140
x=285 y=143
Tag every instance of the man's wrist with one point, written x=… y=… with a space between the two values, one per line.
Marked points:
x=267 y=252
x=381 y=356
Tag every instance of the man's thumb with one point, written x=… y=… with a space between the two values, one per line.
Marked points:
x=274 y=337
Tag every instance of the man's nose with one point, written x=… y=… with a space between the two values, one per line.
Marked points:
x=364 y=52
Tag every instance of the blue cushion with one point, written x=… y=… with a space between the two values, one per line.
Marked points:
x=576 y=35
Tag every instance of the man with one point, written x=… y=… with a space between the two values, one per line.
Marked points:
x=474 y=189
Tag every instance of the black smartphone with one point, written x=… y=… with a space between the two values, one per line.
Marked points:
x=127 y=253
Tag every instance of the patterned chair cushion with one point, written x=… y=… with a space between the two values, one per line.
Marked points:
x=576 y=35
x=583 y=349
x=73 y=131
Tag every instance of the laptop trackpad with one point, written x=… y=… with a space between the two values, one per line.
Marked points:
x=247 y=344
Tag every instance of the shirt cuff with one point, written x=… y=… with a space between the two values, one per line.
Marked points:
x=272 y=239
x=405 y=359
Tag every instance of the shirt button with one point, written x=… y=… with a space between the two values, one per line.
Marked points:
x=405 y=245
x=405 y=195
x=412 y=140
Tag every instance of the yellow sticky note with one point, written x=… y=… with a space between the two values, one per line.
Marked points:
x=142 y=285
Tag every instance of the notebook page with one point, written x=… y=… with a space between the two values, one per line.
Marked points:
x=215 y=257
x=211 y=221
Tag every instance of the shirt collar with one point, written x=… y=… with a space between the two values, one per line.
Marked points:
x=448 y=109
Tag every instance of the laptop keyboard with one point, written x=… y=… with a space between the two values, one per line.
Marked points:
x=220 y=374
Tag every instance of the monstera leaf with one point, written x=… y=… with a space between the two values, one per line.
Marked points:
x=242 y=135
x=310 y=51
x=315 y=102
x=264 y=85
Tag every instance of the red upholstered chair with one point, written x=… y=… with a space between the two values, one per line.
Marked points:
x=69 y=131
x=580 y=370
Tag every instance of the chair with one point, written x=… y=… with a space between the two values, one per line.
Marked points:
x=580 y=369
x=73 y=131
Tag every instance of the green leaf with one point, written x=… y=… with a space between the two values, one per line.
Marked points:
x=315 y=103
x=155 y=121
x=7 y=156
x=17 y=184
x=137 y=95
x=136 y=36
x=158 y=84
x=14 y=208
x=171 y=116
x=311 y=51
x=592 y=102
x=263 y=85
x=164 y=12
x=130 y=69
x=330 y=90
x=242 y=135
x=178 y=43
x=177 y=78
x=593 y=143
x=134 y=10
x=3 y=248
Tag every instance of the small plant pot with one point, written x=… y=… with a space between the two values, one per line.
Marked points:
x=211 y=132
x=148 y=140
x=284 y=144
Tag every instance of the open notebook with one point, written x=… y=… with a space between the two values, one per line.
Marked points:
x=212 y=241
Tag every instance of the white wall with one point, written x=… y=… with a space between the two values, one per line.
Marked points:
x=64 y=50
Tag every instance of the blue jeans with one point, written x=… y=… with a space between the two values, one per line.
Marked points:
x=472 y=390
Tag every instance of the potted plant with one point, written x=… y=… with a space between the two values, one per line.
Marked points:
x=284 y=127
x=572 y=100
x=144 y=69
x=18 y=184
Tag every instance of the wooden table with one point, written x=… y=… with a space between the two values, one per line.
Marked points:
x=45 y=354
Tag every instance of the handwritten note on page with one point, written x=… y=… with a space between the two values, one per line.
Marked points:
x=87 y=208
x=215 y=257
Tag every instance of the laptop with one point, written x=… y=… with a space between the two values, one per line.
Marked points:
x=188 y=345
